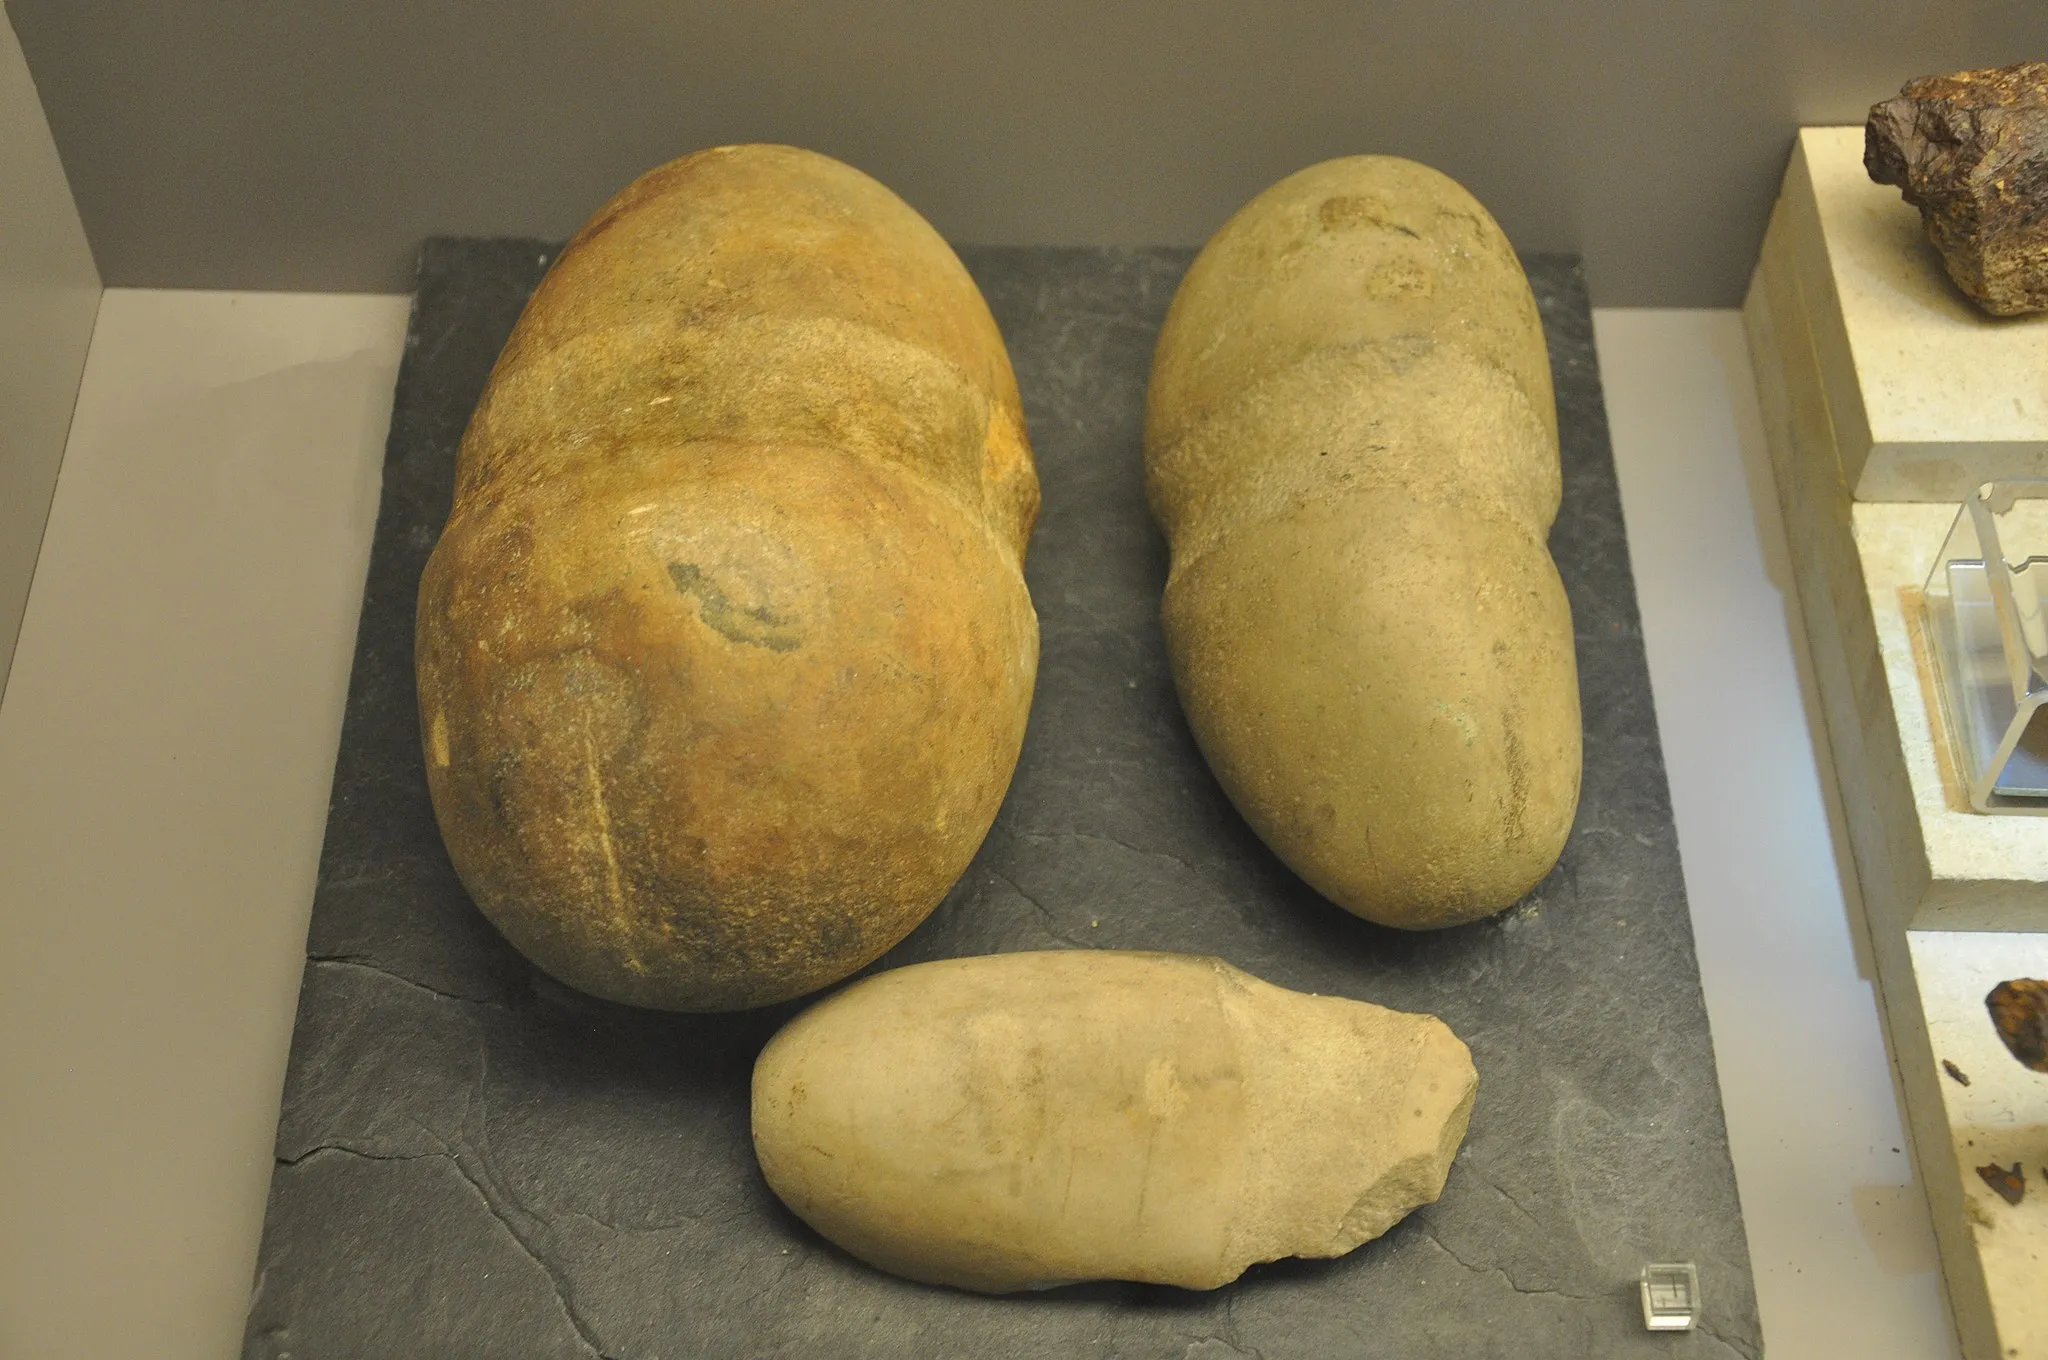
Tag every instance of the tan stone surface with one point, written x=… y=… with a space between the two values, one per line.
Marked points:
x=2000 y=1118
x=1025 y=1120
x=1351 y=443
x=1930 y=396
x=725 y=653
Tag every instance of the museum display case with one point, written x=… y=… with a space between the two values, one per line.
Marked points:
x=877 y=752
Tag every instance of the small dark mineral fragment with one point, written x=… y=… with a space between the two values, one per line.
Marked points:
x=2019 y=1009
x=2009 y=1182
x=1961 y=1077
x=1970 y=151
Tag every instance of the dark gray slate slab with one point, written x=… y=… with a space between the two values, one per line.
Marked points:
x=474 y=1161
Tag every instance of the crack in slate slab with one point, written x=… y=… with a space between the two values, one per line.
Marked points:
x=1500 y=1190
x=1723 y=1341
x=358 y=961
x=1101 y=839
x=1051 y=922
x=562 y=1292
x=1430 y=1233
x=799 y=1253
x=1229 y=1335
x=300 y=1158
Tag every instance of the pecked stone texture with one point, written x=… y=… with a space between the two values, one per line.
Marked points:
x=1970 y=151
x=1032 y=1119
x=725 y=651
x=1351 y=445
x=593 y=1187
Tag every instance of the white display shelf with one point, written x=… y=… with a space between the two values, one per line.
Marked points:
x=1886 y=399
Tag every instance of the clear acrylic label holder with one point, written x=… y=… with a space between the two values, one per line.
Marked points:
x=1987 y=632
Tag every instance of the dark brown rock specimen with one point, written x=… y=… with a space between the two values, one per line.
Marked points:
x=2011 y=1184
x=2020 y=1010
x=1970 y=151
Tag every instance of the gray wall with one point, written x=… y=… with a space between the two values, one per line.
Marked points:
x=252 y=143
x=49 y=296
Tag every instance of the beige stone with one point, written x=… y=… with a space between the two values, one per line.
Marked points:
x=1351 y=443
x=1021 y=1121
x=1929 y=397
x=725 y=652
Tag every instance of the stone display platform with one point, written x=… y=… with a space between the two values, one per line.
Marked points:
x=1928 y=396
x=474 y=1161
x=1850 y=313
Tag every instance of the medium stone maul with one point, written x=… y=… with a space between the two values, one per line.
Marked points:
x=617 y=1209
x=1354 y=458
x=1970 y=151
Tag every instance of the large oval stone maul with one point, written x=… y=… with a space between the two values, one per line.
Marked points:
x=1020 y=1121
x=725 y=653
